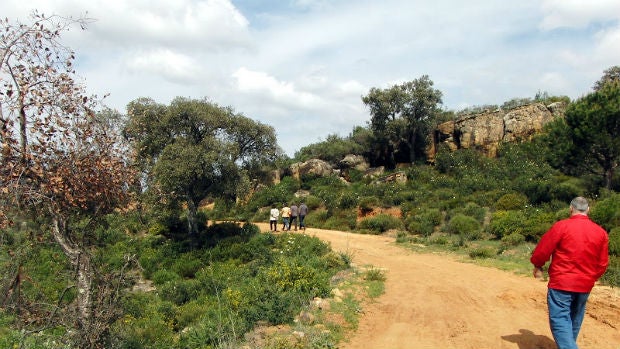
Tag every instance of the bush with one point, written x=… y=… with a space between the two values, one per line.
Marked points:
x=380 y=223
x=511 y=201
x=163 y=276
x=466 y=226
x=348 y=200
x=187 y=265
x=470 y=209
x=367 y=204
x=612 y=276
x=313 y=202
x=481 y=252
x=532 y=224
x=513 y=239
x=606 y=212
x=614 y=242
x=316 y=218
x=181 y=292
x=343 y=220
x=423 y=221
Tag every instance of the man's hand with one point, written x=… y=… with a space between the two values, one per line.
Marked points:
x=538 y=272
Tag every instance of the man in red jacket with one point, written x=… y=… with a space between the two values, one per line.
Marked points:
x=578 y=249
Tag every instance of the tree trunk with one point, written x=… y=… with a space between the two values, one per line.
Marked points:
x=81 y=261
x=412 y=140
x=192 y=210
x=609 y=176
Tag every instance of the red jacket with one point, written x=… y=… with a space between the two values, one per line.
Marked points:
x=579 y=251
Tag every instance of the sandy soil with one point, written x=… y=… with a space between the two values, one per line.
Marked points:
x=435 y=301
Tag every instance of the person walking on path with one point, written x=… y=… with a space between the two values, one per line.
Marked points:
x=303 y=211
x=294 y=213
x=274 y=213
x=286 y=216
x=578 y=249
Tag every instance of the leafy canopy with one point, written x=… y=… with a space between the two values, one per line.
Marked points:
x=194 y=149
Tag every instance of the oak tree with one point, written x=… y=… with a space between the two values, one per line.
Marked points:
x=194 y=149
x=400 y=118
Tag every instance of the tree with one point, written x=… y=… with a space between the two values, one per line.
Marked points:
x=194 y=149
x=587 y=140
x=400 y=118
x=59 y=162
x=610 y=76
x=333 y=149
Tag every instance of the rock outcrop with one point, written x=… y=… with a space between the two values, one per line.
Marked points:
x=315 y=167
x=488 y=130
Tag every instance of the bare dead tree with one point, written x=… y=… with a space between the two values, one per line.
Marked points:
x=58 y=160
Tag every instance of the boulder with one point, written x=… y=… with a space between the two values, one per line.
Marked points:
x=357 y=162
x=374 y=172
x=396 y=177
x=315 y=167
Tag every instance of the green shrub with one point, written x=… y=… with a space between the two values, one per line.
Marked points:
x=566 y=191
x=316 y=218
x=342 y=220
x=423 y=220
x=181 y=292
x=511 y=201
x=163 y=276
x=531 y=223
x=466 y=226
x=505 y=223
x=374 y=275
x=187 y=265
x=513 y=239
x=348 y=200
x=380 y=223
x=614 y=242
x=368 y=203
x=148 y=332
x=481 y=252
x=313 y=202
x=612 y=275
x=606 y=212
x=470 y=209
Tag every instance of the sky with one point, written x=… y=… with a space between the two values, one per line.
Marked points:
x=302 y=66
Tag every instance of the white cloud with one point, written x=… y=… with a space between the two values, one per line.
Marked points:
x=578 y=13
x=285 y=93
x=171 y=65
x=608 y=46
x=303 y=65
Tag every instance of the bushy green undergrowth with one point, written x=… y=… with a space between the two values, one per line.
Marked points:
x=511 y=200
x=213 y=296
x=202 y=293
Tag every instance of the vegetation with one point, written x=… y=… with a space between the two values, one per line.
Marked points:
x=401 y=117
x=104 y=235
x=195 y=149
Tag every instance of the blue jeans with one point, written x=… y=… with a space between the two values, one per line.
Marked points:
x=566 y=312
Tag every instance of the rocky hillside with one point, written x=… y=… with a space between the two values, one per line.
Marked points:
x=486 y=131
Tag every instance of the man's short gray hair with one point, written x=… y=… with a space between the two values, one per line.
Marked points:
x=580 y=204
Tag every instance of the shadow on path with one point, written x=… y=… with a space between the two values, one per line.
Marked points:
x=526 y=339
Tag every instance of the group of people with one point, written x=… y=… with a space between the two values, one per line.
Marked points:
x=290 y=216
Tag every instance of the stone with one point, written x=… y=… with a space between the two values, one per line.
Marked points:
x=486 y=131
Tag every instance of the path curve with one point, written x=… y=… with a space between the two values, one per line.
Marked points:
x=435 y=301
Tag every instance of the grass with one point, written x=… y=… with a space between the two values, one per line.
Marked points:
x=488 y=253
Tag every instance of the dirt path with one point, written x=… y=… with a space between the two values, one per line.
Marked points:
x=434 y=301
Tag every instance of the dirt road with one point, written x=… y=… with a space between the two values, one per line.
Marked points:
x=434 y=301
